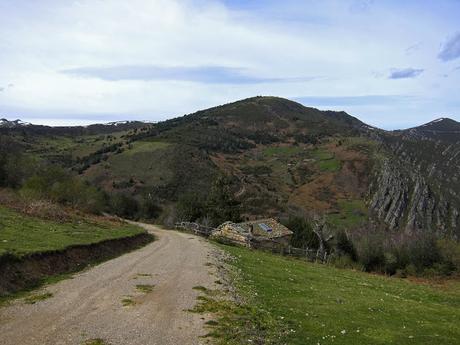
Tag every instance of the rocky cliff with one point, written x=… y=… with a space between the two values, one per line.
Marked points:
x=416 y=185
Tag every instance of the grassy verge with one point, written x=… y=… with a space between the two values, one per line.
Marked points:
x=293 y=302
x=32 y=299
x=36 y=252
x=29 y=292
x=21 y=235
x=237 y=323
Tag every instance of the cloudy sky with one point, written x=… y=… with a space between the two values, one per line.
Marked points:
x=393 y=64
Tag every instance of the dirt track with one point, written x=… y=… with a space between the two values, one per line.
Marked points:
x=90 y=306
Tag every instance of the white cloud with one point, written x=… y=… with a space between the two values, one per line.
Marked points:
x=405 y=73
x=451 y=48
x=279 y=47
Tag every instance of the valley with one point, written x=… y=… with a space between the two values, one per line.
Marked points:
x=279 y=155
x=228 y=172
x=388 y=203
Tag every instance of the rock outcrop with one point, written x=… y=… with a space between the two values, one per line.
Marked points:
x=416 y=185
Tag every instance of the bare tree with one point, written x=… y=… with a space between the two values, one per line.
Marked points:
x=324 y=235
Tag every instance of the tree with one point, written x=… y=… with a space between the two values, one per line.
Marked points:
x=221 y=204
x=149 y=208
x=15 y=167
x=344 y=246
x=324 y=236
x=190 y=207
x=303 y=236
x=123 y=205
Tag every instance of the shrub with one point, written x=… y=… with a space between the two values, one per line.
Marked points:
x=410 y=270
x=34 y=188
x=404 y=254
x=450 y=252
x=344 y=246
x=55 y=184
x=303 y=235
x=345 y=261
x=15 y=167
x=124 y=206
x=400 y=273
x=190 y=207
x=370 y=252
x=423 y=251
x=439 y=269
x=148 y=208
x=390 y=263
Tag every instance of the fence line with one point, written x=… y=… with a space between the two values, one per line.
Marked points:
x=309 y=254
x=196 y=228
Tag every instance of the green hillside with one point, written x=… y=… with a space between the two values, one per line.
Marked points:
x=279 y=157
x=21 y=234
x=289 y=301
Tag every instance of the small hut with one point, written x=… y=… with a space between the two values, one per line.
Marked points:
x=262 y=233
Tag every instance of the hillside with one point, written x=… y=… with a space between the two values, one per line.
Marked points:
x=14 y=126
x=442 y=129
x=418 y=185
x=280 y=157
x=294 y=302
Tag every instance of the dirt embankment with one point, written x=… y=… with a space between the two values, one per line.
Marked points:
x=30 y=270
x=158 y=281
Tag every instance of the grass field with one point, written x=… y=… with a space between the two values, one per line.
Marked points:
x=326 y=160
x=145 y=146
x=81 y=147
x=351 y=213
x=282 y=151
x=20 y=234
x=145 y=161
x=293 y=302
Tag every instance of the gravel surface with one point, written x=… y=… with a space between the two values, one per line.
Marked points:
x=89 y=306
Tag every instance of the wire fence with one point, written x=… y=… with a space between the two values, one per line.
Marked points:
x=309 y=254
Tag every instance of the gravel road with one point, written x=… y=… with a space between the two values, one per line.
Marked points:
x=89 y=306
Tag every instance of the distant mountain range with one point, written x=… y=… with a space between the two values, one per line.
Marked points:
x=13 y=124
x=94 y=128
x=281 y=157
x=443 y=129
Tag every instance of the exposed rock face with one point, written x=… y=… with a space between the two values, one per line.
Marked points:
x=416 y=186
x=389 y=195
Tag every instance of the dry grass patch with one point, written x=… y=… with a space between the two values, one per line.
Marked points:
x=96 y=341
x=37 y=298
x=127 y=301
x=145 y=288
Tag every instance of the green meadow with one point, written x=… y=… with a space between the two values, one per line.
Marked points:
x=21 y=234
x=289 y=301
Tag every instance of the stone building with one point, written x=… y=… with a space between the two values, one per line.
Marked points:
x=262 y=233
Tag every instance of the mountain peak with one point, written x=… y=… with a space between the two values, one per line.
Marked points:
x=442 y=124
x=13 y=123
x=443 y=128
